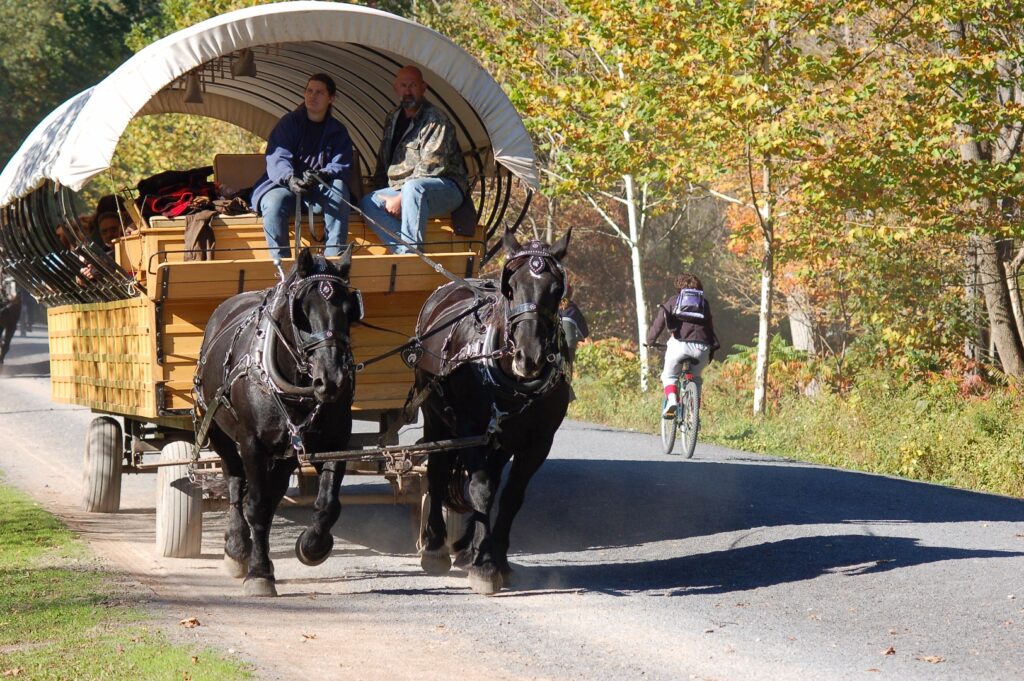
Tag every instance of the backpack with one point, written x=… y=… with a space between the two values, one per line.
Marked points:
x=689 y=305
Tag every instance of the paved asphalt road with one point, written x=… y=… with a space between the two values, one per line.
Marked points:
x=630 y=565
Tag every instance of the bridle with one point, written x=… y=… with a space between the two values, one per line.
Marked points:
x=538 y=260
x=303 y=345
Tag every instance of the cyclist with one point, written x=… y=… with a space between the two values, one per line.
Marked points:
x=687 y=315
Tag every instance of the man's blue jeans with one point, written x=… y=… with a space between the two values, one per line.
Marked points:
x=422 y=198
x=278 y=205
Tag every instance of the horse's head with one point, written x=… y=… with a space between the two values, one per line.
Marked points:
x=322 y=309
x=533 y=282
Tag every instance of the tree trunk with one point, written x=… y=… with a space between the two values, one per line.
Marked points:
x=975 y=340
x=763 y=325
x=1012 y=268
x=1000 y=311
x=638 y=279
x=801 y=324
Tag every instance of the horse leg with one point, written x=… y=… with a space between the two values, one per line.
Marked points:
x=237 y=542
x=316 y=541
x=524 y=465
x=268 y=481
x=8 y=335
x=434 y=558
x=484 y=575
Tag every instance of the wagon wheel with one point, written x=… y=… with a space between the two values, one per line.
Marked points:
x=455 y=524
x=179 y=506
x=101 y=469
x=418 y=514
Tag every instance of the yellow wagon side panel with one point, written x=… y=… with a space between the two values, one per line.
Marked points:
x=393 y=287
x=102 y=356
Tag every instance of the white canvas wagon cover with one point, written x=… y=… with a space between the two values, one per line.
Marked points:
x=359 y=47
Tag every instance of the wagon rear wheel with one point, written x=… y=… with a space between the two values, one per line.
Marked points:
x=101 y=469
x=179 y=506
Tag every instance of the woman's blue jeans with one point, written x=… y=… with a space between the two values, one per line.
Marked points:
x=422 y=198
x=278 y=205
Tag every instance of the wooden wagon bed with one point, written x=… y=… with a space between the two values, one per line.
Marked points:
x=137 y=357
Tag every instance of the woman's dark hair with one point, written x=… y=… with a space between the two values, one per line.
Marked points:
x=326 y=80
x=110 y=203
x=688 y=280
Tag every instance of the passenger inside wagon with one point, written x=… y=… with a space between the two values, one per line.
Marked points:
x=309 y=155
x=420 y=173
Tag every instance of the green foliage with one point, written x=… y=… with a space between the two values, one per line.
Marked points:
x=57 y=614
x=51 y=50
x=925 y=430
x=611 y=361
x=152 y=144
x=936 y=429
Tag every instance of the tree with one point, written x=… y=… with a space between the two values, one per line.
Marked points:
x=943 y=147
x=581 y=73
x=52 y=50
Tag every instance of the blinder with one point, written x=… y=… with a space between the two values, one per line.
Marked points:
x=325 y=286
x=537 y=258
x=534 y=256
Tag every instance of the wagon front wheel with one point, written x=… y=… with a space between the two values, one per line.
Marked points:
x=101 y=468
x=179 y=506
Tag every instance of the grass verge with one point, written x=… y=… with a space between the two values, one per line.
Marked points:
x=924 y=430
x=62 y=619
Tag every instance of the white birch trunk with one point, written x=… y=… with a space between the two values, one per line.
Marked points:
x=764 y=316
x=638 y=278
x=763 y=328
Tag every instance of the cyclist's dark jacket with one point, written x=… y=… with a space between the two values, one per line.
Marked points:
x=691 y=330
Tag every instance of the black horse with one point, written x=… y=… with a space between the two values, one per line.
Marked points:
x=496 y=366
x=10 y=310
x=276 y=370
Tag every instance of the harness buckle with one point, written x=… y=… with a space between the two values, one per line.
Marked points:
x=300 y=449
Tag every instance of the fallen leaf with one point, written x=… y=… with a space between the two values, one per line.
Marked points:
x=195 y=659
x=933 y=659
x=190 y=622
x=120 y=649
x=14 y=671
x=872 y=669
x=889 y=651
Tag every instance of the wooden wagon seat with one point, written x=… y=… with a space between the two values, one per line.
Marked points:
x=240 y=171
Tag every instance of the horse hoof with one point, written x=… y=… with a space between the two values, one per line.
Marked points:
x=485 y=584
x=259 y=586
x=436 y=561
x=313 y=558
x=235 y=568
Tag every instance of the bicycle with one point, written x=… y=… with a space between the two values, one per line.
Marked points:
x=686 y=419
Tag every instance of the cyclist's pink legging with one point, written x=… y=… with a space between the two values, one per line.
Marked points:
x=676 y=352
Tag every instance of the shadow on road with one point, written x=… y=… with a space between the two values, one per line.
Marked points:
x=779 y=562
x=576 y=505
x=30 y=370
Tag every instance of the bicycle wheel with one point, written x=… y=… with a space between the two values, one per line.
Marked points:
x=668 y=433
x=690 y=411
